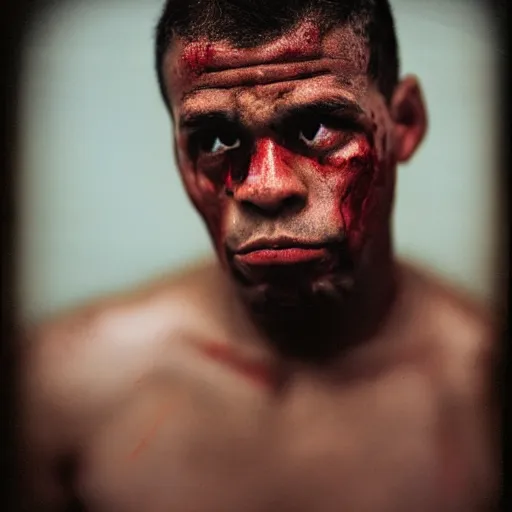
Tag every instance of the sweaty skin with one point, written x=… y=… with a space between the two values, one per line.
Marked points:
x=304 y=162
x=305 y=370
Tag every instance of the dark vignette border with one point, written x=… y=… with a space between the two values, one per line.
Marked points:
x=12 y=20
x=15 y=20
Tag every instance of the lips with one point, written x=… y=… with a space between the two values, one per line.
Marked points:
x=280 y=252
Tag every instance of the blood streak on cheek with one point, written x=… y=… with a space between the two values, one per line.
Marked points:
x=197 y=56
x=256 y=372
x=228 y=178
x=234 y=171
x=357 y=174
x=373 y=214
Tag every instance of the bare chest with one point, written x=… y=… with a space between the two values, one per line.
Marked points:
x=198 y=445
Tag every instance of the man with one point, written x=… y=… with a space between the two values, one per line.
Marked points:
x=306 y=370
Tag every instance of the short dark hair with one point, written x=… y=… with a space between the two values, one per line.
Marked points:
x=248 y=23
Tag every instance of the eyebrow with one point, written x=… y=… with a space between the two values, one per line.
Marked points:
x=195 y=120
x=323 y=107
x=329 y=106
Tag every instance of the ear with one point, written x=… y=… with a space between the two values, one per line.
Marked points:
x=409 y=117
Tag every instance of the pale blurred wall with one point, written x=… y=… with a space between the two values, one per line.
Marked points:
x=102 y=204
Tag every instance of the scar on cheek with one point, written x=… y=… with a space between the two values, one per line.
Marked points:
x=197 y=56
x=256 y=372
x=151 y=433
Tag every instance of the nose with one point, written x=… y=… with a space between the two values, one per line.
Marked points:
x=271 y=186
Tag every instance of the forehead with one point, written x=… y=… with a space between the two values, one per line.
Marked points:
x=296 y=67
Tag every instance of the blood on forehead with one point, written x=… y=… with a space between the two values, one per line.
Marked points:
x=198 y=56
x=304 y=41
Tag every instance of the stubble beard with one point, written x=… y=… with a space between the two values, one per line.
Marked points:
x=302 y=317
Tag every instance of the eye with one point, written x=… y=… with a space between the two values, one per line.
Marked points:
x=217 y=142
x=313 y=132
x=309 y=131
x=220 y=145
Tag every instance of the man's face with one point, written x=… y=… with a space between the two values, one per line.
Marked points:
x=286 y=150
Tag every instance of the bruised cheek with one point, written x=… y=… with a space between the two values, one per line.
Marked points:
x=360 y=183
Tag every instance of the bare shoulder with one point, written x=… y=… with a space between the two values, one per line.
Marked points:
x=82 y=360
x=463 y=340
x=466 y=332
x=463 y=335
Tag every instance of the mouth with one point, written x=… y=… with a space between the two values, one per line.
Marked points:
x=282 y=251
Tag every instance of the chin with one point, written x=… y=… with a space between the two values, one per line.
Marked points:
x=298 y=320
x=295 y=286
x=304 y=293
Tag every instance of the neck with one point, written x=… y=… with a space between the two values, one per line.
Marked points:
x=323 y=329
